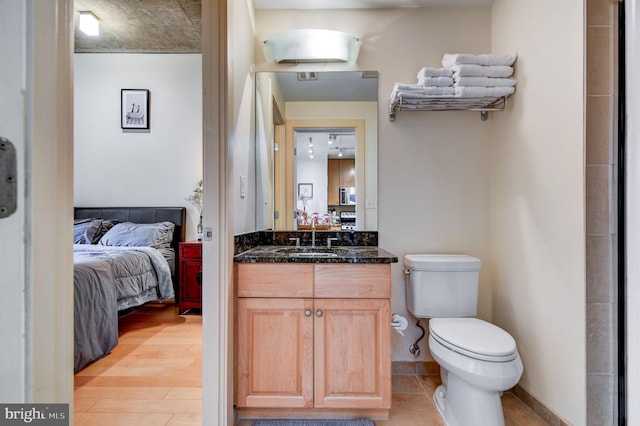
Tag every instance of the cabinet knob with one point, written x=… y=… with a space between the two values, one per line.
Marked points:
x=307 y=313
x=319 y=314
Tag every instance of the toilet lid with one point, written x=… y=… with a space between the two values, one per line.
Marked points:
x=474 y=337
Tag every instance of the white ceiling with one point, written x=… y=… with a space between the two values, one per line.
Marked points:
x=364 y=4
x=345 y=138
x=345 y=86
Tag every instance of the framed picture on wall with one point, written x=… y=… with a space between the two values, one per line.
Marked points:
x=305 y=191
x=134 y=109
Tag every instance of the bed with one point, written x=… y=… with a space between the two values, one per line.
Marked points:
x=124 y=257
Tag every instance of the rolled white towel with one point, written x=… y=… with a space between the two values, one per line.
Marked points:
x=484 y=82
x=403 y=87
x=434 y=72
x=450 y=59
x=483 y=92
x=435 y=81
x=438 y=91
x=467 y=70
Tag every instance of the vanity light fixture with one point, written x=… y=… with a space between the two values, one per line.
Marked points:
x=311 y=46
x=89 y=24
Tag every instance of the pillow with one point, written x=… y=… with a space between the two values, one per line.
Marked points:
x=86 y=231
x=157 y=235
x=106 y=225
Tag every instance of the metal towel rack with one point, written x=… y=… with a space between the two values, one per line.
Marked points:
x=414 y=103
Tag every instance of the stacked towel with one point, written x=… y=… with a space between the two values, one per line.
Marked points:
x=472 y=70
x=420 y=91
x=434 y=72
x=487 y=59
x=463 y=75
x=435 y=81
x=479 y=76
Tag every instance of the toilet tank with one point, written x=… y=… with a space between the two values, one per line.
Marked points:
x=442 y=285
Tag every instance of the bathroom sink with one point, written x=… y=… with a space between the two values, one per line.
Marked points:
x=313 y=251
x=313 y=254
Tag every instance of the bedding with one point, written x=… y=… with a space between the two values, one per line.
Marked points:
x=156 y=235
x=108 y=280
x=118 y=267
x=86 y=231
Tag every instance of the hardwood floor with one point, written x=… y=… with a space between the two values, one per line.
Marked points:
x=153 y=377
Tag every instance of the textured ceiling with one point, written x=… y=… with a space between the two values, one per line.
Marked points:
x=364 y=4
x=174 y=26
x=141 y=26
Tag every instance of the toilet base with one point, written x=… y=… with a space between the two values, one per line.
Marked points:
x=464 y=406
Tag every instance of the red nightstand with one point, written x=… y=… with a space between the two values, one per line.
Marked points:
x=190 y=284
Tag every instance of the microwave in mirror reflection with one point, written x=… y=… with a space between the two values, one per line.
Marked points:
x=348 y=196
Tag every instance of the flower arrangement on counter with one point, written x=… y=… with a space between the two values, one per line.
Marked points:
x=196 y=199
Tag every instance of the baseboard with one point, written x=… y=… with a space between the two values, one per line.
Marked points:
x=539 y=408
x=414 y=368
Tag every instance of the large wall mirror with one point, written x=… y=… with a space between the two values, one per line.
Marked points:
x=317 y=150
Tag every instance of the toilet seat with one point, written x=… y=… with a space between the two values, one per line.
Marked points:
x=474 y=338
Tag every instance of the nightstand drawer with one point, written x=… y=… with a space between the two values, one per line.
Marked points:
x=191 y=250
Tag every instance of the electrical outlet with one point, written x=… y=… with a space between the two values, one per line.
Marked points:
x=371 y=204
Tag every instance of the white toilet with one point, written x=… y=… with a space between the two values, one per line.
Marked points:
x=477 y=359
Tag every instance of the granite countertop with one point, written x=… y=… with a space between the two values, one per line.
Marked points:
x=307 y=254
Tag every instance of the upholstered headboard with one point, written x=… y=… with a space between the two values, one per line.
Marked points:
x=176 y=215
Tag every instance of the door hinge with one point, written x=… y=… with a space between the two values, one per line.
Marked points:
x=8 y=178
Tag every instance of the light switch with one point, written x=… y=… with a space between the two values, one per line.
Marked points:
x=243 y=186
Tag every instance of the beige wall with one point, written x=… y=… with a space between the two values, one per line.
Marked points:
x=241 y=110
x=509 y=190
x=538 y=201
x=145 y=161
x=433 y=168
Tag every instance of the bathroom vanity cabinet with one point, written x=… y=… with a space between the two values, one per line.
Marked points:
x=313 y=339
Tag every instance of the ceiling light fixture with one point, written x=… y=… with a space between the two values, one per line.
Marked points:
x=311 y=46
x=332 y=138
x=89 y=24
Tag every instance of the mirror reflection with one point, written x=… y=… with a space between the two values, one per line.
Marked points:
x=316 y=150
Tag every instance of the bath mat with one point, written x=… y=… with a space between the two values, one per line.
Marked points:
x=314 y=422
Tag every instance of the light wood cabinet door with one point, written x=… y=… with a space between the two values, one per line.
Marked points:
x=333 y=182
x=340 y=174
x=274 y=353
x=347 y=172
x=352 y=349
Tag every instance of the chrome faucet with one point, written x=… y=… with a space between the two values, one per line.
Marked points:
x=297 y=240
x=313 y=233
x=329 y=242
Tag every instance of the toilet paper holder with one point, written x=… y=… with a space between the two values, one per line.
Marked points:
x=399 y=323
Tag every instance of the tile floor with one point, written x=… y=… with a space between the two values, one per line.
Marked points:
x=153 y=377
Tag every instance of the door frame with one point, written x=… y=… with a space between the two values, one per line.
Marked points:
x=291 y=126
x=48 y=371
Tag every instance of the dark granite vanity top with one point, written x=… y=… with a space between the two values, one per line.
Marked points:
x=307 y=254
